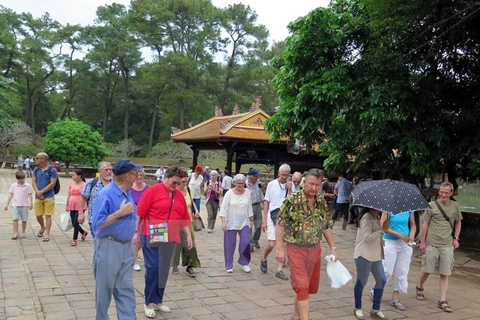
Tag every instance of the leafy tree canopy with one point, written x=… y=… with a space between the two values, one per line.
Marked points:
x=71 y=140
x=392 y=85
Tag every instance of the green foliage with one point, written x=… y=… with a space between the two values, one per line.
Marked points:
x=123 y=149
x=26 y=149
x=70 y=140
x=361 y=78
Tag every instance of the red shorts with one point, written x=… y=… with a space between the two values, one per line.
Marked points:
x=304 y=263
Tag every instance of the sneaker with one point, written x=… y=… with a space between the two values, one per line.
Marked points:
x=246 y=268
x=209 y=230
x=161 y=308
x=175 y=270
x=257 y=245
x=229 y=270
x=190 y=272
x=137 y=267
x=281 y=275
x=263 y=266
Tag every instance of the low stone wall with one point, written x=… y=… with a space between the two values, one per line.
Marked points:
x=470 y=235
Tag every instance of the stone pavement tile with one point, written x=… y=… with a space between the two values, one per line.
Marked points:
x=213 y=301
x=224 y=308
x=80 y=297
x=63 y=315
x=265 y=302
x=197 y=311
x=56 y=307
x=208 y=317
x=23 y=317
x=178 y=296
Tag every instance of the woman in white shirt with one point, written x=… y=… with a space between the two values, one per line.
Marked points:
x=237 y=217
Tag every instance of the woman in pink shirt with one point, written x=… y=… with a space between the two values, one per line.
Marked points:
x=74 y=192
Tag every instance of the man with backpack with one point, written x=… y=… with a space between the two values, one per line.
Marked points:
x=91 y=190
x=45 y=184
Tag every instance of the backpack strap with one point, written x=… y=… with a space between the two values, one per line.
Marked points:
x=443 y=213
x=94 y=182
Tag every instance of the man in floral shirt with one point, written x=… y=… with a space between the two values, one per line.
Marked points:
x=303 y=218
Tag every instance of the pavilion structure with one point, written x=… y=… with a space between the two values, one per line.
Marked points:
x=244 y=138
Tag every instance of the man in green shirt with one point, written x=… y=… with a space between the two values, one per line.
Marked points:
x=438 y=242
x=303 y=218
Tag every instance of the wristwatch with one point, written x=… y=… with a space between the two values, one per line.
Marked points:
x=456 y=238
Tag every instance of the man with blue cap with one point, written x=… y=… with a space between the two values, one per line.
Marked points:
x=114 y=221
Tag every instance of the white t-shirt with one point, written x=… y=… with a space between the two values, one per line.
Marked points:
x=227 y=182
x=160 y=173
x=275 y=194
x=195 y=185
x=237 y=209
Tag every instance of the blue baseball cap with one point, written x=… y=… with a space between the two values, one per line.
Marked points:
x=253 y=172
x=124 y=166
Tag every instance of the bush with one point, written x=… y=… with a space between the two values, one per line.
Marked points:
x=170 y=150
x=123 y=149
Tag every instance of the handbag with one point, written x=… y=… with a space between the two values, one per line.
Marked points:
x=65 y=221
x=274 y=212
x=159 y=231
x=445 y=216
x=197 y=222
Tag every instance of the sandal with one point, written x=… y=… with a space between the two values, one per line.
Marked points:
x=73 y=243
x=84 y=236
x=15 y=237
x=444 y=306
x=420 y=295
x=294 y=317
x=398 y=305
x=377 y=314
x=40 y=233
x=46 y=239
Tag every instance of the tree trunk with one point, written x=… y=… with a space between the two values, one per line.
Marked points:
x=226 y=84
x=181 y=112
x=452 y=178
x=152 y=127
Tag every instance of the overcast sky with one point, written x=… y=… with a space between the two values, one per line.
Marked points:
x=275 y=15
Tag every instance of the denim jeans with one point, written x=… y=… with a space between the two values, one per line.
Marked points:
x=364 y=267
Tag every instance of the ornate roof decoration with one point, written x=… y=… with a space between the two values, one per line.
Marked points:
x=218 y=112
x=174 y=130
x=236 y=110
x=190 y=124
x=224 y=124
x=257 y=104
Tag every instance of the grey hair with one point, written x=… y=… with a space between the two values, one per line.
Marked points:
x=317 y=173
x=213 y=172
x=239 y=176
x=102 y=163
x=447 y=184
x=285 y=167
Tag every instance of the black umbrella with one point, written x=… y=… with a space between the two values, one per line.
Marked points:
x=389 y=195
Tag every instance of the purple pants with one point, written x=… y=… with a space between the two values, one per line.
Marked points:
x=229 y=244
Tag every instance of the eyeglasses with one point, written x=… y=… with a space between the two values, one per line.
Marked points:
x=296 y=182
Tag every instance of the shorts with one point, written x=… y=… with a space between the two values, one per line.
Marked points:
x=44 y=207
x=443 y=257
x=20 y=213
x=304 y=263
x=270 y=228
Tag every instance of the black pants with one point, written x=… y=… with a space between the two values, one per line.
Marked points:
x=343 y=208
x=76 y=226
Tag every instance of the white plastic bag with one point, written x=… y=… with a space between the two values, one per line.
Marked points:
x=65 y=223
x=338 y=274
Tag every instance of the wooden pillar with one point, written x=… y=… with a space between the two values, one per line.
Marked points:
x=238 y=164
x=229 y=157
x=195 y=157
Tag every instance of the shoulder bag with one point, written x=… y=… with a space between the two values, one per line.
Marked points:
x=159 y=231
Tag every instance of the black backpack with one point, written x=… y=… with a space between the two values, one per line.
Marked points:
x=56 y=187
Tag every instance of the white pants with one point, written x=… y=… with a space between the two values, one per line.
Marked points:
x=398 y=255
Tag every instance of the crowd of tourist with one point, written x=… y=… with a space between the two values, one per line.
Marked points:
x=126 y=215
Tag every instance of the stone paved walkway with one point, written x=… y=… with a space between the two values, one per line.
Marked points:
x=50 y=281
